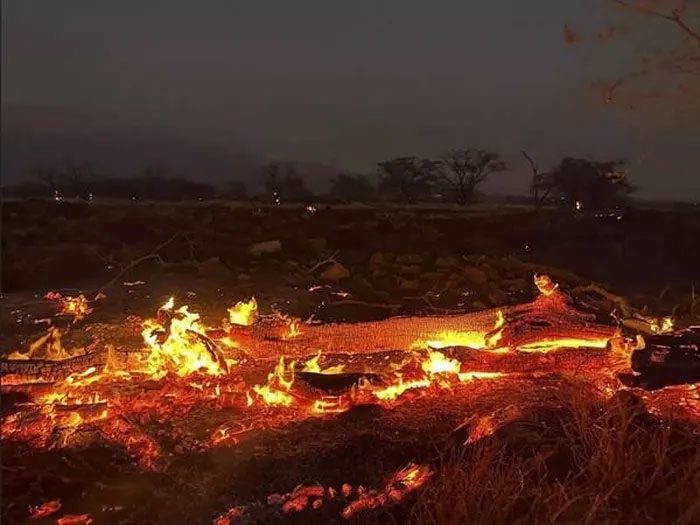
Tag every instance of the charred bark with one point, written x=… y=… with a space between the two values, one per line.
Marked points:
x=667 y=359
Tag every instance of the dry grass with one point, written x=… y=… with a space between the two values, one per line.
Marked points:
x=583 y=461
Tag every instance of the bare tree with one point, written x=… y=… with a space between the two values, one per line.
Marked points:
x=540 y=185
x=668 y=70
x=413 y=178
x=462 y=170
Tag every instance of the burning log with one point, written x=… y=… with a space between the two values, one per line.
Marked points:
x=48 y=370
x=547 y=323
x=667 y=359
x=337 y=383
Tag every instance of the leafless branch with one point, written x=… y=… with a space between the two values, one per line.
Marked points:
x=152 y=255
x=676 y=16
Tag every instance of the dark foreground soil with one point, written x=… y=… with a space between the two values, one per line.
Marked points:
x=378 y=263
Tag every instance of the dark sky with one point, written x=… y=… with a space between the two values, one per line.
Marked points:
x=345 y=83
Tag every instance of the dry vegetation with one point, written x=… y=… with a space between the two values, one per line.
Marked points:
x=582 y=462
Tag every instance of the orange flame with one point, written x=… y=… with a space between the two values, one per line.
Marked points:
x=183 y=351
x=244 y=313
x=279 y=383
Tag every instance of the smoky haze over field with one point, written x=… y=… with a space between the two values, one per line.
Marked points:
x=211 y=90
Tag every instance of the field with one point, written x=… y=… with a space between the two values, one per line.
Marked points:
x=144 y=414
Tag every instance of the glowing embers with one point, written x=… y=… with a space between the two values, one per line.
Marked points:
x=293 y=329
x=355 y=500
x=553 y=344
x=312 y=365
x=48 y=346
x=178 y=343
x=77 y=307
x=478 y=340
x=438 y=370
x=661 y=325
x=244 y=313
x=449 y=338
x=279 y=383
x=545 y=285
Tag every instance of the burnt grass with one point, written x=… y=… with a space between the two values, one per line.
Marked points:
x=569 y=456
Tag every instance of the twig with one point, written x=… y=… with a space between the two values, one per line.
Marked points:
x=618 y=300
x=387 y=306
x=330 y=259
x=675 y=17
x=153 y=255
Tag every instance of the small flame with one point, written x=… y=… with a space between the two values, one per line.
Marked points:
x=177 y=344
x=392 y=392
x=293 y=329
x=279 y=383
x=437 y=363
x=244 y=313
x=545 y=285
x=312 y=365
x=662 y=325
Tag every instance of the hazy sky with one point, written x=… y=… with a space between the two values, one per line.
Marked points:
x=345 y=83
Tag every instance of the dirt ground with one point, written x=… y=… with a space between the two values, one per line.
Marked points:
x=343 y=264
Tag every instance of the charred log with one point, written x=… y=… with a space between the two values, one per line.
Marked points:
x=667 y=359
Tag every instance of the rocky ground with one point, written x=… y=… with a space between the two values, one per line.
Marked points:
x=335 y=264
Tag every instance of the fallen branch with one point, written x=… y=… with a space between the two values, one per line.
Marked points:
x=625 y=308
x=152 y=255
x=319 y=264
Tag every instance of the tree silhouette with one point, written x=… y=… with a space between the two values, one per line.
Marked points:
x=540 y=185
x=462 y=170
x=587 y=184
x=351 y=188
x=290 y=188
x=236 y=190
x=410 y=177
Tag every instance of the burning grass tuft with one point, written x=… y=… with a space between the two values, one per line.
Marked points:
x=583 y=461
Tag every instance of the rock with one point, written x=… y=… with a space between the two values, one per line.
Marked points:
x=495 y=295
x=335 y=272
x=378 y=262
x=515 y=285
x=317 y=244
x=475 y=276
x=490 y=271
x=409 y=258
x=243 y=277
x=411 y=269
x=213 y=268
x=264 y=248
x=407 y=284
x=447 y=261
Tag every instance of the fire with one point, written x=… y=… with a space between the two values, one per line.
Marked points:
x=312 y=365
x=412 y=476
x=178 y=343
x=330 y=405
x=76 y=307
x=437 y=363
x=293 y=329
x=662 y=325
x=549 y=345
x=392 y=392
x=438 y=371
x=545 y=285
x=244 y=313
x=279 y=383
x=48 y=346
x=465 y=338
x=448 y=338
